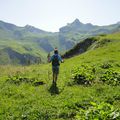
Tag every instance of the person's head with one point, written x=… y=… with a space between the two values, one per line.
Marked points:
x=55 y=51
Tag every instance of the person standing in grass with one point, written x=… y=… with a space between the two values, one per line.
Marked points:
x=55 y=59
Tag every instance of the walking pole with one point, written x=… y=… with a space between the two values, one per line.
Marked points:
x=48 y=58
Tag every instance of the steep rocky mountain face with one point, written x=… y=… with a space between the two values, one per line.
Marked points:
x=77 y=26
x=32 y=44
x=76 y=31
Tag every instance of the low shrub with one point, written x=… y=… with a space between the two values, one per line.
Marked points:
x=101 y=111
x=83 y=74
x=110 y=77
x=18 y=79
x=106 y=65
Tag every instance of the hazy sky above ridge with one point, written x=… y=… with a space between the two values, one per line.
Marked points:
x=50 y=15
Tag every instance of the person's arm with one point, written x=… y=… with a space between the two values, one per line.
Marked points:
x=60 y=59
x=48 y=57
x=51 y=59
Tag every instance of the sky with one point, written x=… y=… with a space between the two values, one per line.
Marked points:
x=50 y=15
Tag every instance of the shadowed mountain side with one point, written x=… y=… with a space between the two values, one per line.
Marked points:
x=9 y=56
x=79 y=48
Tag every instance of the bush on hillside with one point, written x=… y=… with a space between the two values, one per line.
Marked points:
x=102 y=111
x=83 y=74
x=106 y=65
x=102 y=42
x=111 y=77
x=18 y=79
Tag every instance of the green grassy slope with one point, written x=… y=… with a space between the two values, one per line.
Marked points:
x=21 y=48
x=37 y=46
x=25 y=41
x=104 y=48
x=28 y=93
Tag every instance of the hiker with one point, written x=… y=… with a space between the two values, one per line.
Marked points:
x=55 y=59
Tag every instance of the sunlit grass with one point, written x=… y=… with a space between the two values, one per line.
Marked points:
x=27 y=101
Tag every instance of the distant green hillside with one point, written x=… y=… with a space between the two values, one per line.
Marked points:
x=25 y=45
x=29 y=45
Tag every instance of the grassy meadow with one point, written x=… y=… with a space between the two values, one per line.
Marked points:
x=27 y=92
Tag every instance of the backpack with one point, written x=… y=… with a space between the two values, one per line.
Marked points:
x=55 y=61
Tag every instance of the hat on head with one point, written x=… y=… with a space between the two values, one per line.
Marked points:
x=56 y=51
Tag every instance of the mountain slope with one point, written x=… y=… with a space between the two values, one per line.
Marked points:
x=99 y=49
x=30 y=41
x=77 y=31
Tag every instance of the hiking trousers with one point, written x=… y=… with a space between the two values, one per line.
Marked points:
x=55 y=69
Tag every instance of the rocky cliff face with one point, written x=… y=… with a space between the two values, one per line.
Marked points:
x=73 y=33
x=77 y=26
x=32 y=29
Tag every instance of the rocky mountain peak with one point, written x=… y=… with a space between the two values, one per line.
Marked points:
x=76 y=22
x=33 y=29
x=7 y=26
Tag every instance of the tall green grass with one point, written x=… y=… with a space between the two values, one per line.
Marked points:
x=22 y=97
